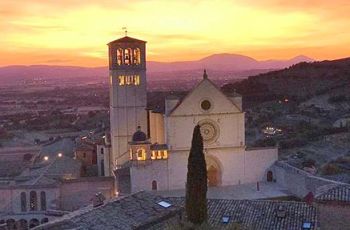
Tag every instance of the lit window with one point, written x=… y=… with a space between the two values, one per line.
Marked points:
x=127 y=56
x=153 y=157
x=33 y=201
x=159 y=155
x=130 y=154
x=119 y=56
x=129 y=80
x=141 y=155
x=137 y=56
x=136 y=80
x=165 y=154
x=121 y=80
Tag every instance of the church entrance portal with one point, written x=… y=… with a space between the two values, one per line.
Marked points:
x=213 y=172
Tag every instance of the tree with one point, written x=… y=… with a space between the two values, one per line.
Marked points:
x=196 y=186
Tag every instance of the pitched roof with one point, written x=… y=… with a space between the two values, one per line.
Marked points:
x=258 y=214
x=127 y=39
x=340 y=193
x=206 y=79
x=139 y=210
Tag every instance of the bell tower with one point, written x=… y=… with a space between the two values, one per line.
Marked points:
x=128 y=93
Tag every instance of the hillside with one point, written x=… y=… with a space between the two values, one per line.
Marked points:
x=300 y=82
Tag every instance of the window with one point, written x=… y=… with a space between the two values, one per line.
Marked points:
x=159 y=155
x=129 y=80
x=84 y=155
x=137 y=57
x=205 y=105
x=141 y=155
x=153 y=156
x=164 y=204
x=102 y=167
x=94 y=157
x=121 y=80
x=127 y=56
x=165 y=154
x=23 y=202
x=43 y=200
x=119 y=56
x=154 y=185
x=33 y=201
x=225 y=219
x=102 y=151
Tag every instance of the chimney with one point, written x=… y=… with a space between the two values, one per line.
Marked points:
x=281 y=212
x=98 y=199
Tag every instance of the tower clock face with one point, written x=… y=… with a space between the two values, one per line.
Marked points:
x=209 y=130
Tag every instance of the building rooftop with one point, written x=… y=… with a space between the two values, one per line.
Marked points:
x=258 y=214
x=340 y=193
x=127 y=39
x=137 y=211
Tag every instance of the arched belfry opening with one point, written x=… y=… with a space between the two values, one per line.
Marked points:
x=214 y=171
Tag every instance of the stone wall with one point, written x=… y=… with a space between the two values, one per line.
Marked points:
x=297 y=181
x=79 y=192
x=257 y=162
x=143 y=173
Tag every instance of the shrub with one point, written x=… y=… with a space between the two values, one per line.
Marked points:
x=331 y=169
x=309 y=163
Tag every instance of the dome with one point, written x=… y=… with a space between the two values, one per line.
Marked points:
x=139 y=135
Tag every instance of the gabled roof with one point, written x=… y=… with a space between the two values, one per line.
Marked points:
x=127 y=39
x=137 y=211
x=205 y=79
x=338 y=193
x=257 y=214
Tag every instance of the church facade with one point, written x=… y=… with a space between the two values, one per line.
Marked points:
x=150 y=149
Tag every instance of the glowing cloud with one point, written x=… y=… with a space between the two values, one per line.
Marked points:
x=75 y=33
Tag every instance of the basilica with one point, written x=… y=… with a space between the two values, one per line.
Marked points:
x=149 y=149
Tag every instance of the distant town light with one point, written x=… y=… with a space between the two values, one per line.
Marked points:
x=286 y=100
x=46 y=158
x=60 y=155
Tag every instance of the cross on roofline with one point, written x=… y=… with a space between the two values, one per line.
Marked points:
x=125 y=31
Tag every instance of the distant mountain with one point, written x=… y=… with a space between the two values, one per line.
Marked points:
x=223 y=64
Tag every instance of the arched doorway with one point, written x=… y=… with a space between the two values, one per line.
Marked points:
x=22 y=224
x=11 y=224
x=33 y=223
x=154 y=185
x=44 y=220
x=269 y=176
x=213 y=171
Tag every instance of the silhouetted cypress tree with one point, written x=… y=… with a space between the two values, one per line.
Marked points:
x=196 y=186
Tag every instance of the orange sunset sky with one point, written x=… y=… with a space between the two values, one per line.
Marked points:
x=75 y=32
